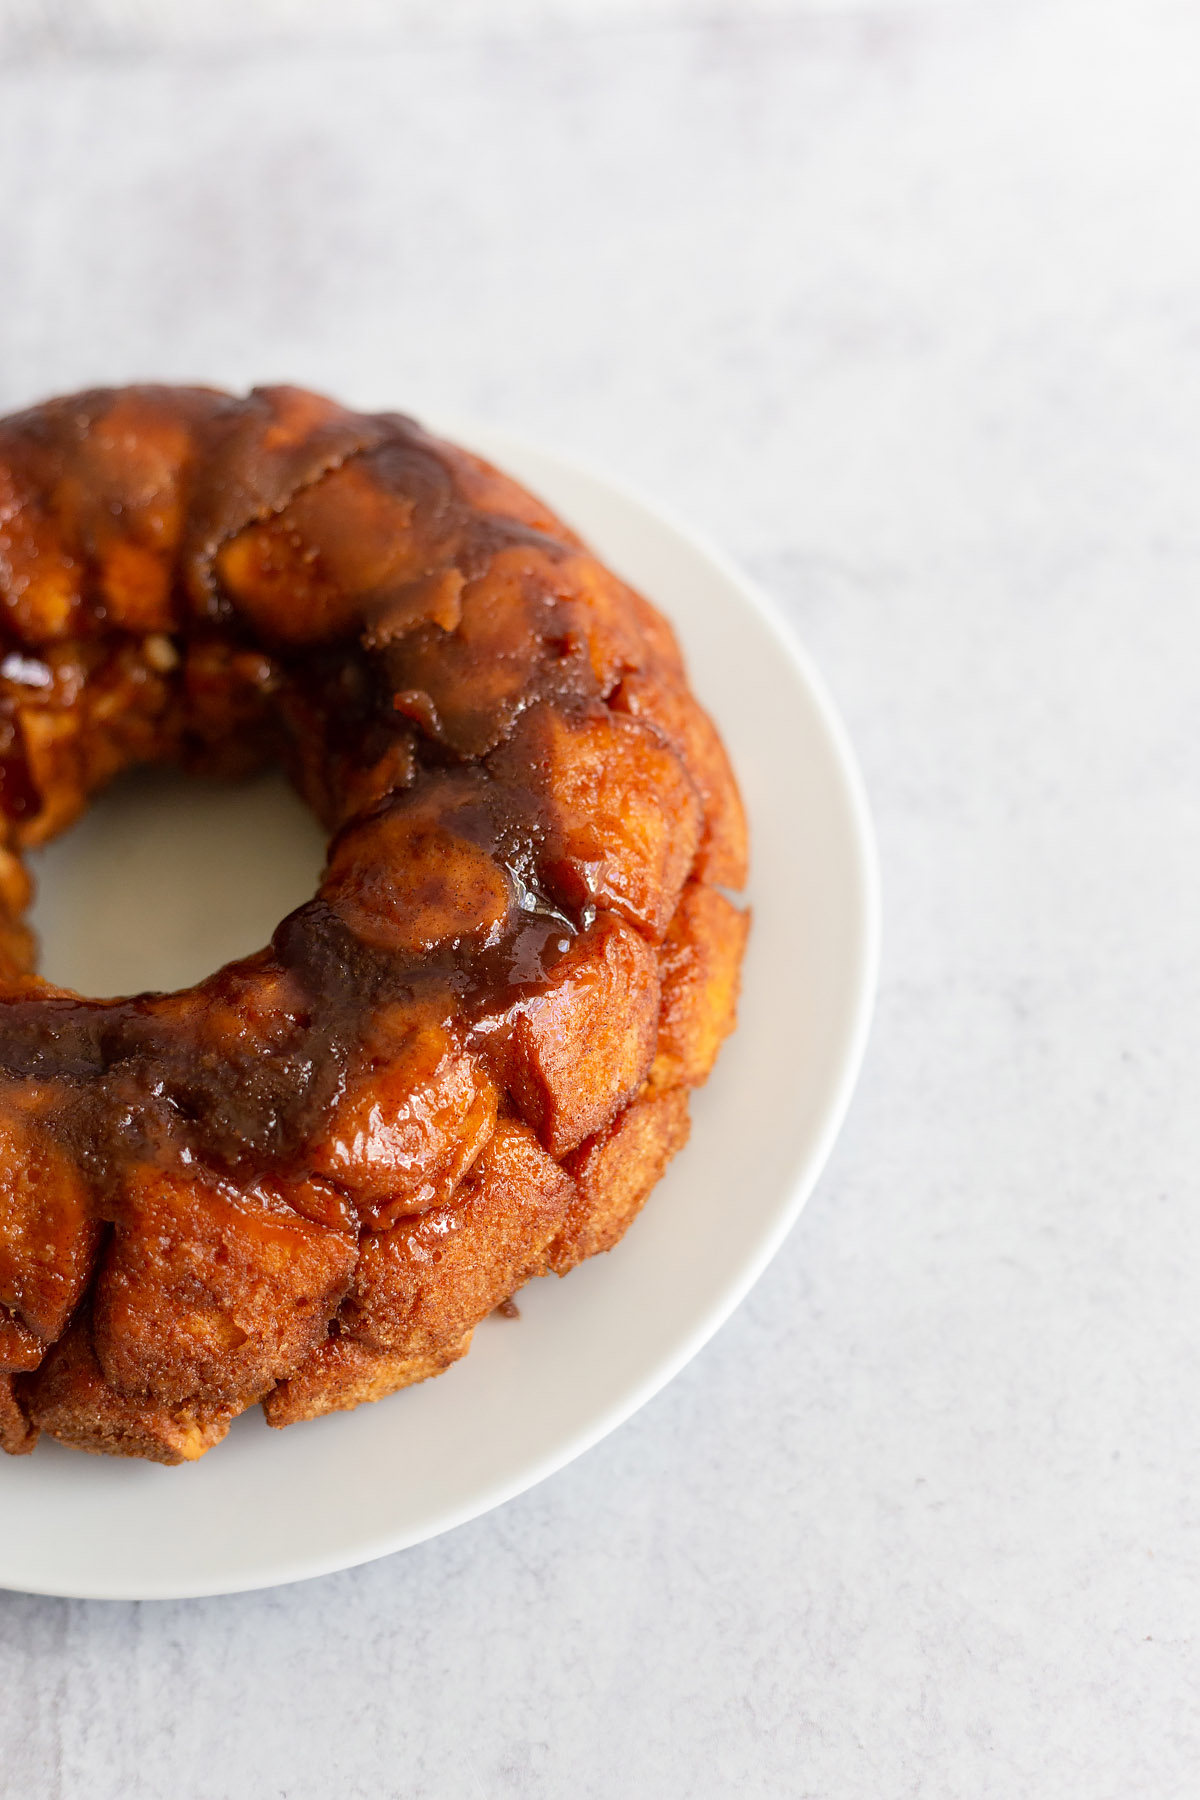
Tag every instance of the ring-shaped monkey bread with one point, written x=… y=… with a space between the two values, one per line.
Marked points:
x=467 y=1060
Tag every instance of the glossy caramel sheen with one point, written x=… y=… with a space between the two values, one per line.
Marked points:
x=466 y=1060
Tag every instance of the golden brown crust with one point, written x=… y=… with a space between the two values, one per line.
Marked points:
x=615 y=1171
x=211 y=1293
x=700 y=962
x=723 y=852
x=421 y=1286
x=70 y=1399
x=342 y=1373
x=466 y=1059
x=18 y=1433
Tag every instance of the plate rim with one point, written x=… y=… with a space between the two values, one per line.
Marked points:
x=494 y=443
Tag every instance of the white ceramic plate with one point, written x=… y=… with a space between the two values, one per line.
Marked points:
x=268 y=1507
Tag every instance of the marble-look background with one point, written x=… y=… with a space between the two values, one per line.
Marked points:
x=902 y=303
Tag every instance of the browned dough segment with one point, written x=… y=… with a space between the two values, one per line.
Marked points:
x=341 y=1373
x=421 y=1286
x=625 y=817
x=48 y=1240
x=305 y=572
x=575 y=1054
x=91 y=498
x=511 y=635
x=667 y=704
x=70 y=1399
x=18 y=1433
x=255 y=459
x=700 y=962
x=411 y=1122
x=20 y=1348
x=615 y=1172
x=207 y=1291
x=624 y=634
x=18 y=948
x=407 y=881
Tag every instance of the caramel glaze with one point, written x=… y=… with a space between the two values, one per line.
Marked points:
x=139 y=1080
x=496 y=731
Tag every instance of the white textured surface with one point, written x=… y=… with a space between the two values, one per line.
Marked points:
x=49 y=28
x=905 y=308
